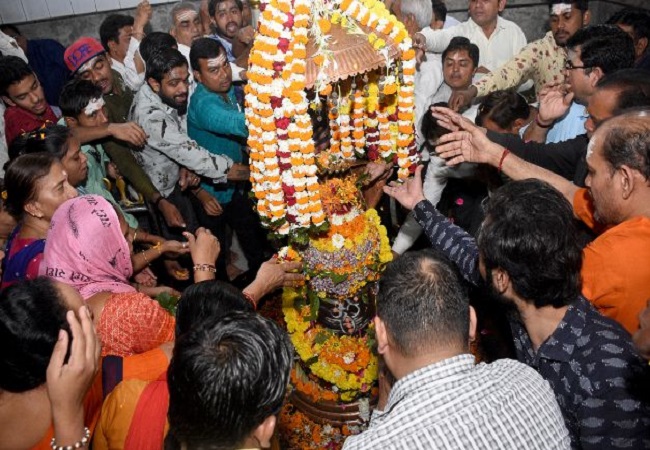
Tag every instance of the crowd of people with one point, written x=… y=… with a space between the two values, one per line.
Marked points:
x=533 y=195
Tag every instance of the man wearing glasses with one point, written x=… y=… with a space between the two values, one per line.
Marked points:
x=592 y=52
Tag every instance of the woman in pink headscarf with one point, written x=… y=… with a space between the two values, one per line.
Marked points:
x=87 y=247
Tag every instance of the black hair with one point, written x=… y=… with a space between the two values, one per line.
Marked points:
x=110 y=28
x=212 y=6
x=632 y=86
x=503 y=108
x=439 y=10
x=155 y=43
x=431 y=130
x=460 y=43
x=205 y=48
x=52 y=139
x=163 y=62
x=31 y=315
x=9 y=26
x=422 y=303
x=582 y=5
x=21 y=176
x=76 y=95
x=529 y=232
x=638 y=19
x=604 y=46
x=12 y=70
x=208 y=300
x=225 y=378
x=627 y=142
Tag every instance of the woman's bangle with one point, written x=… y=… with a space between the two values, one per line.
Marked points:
x=158 y=247
x=205 y=268
x=250 y=298
x=83 y=442
x=505 y=153
x=540 y=124
x=135 y=235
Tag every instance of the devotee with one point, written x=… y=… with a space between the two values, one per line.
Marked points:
x=36 y=186
x=90 y=248
x=542 y=60
x=22 y=93
x=616 y=267
x=82 y=106
x=614 y=93
x=424 y=326
x=44 y=394
x=641 y=337
x=217 y=123
x=227 y=382
x=136 y=411
x=120 y=36
x=636 y=23
x=226 y=17
x=592 y=52
x=459 y=64
x=88 y=60
x=504 y=112
x=160 y=108
x=186 y=26
x=8 y=47
x=45 y=56
x=528 y=255
x=498 y=39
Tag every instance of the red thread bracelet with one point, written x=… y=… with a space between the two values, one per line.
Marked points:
x=539 y=124
x=250 y=299
x=505 y=153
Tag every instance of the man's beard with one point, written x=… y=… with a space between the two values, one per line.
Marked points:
x=507 y=305
x=181 y=108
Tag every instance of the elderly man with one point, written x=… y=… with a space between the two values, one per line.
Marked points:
x=424 y=325
x=615 y=203
x=498 y=39
x=529 y=256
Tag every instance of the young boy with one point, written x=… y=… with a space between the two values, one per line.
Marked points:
x=82 y=105
x=20 y=89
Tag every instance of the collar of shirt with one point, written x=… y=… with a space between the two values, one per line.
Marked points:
x=231 y=103
x=560 y=345
x=477 y=27
x=154 y=100
x=442 y=370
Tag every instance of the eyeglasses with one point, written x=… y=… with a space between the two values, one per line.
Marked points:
x=569 y=66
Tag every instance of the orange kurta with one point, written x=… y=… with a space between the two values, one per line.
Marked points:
x=146 y=366
x=616 y=265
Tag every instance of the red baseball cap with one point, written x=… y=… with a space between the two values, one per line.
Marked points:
x=81 y=51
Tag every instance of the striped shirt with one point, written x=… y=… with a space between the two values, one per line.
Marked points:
x=455 y=404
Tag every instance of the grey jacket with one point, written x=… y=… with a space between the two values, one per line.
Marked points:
x=169 y=147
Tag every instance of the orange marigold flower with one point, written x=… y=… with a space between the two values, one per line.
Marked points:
x=324 y=25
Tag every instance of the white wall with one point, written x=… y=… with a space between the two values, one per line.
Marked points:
x=19 y=11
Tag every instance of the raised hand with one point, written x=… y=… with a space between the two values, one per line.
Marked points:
x=554 y=102
x=129 y=132
x=408 y=193
x=463 y=98
x=470 y=144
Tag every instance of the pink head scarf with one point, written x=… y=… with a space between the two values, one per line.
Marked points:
x=85 y=248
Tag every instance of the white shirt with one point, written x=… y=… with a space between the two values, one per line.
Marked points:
x=506 y=41
x=127 y=69
x=454 y=404
x=428 y=79
x=450 y=22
